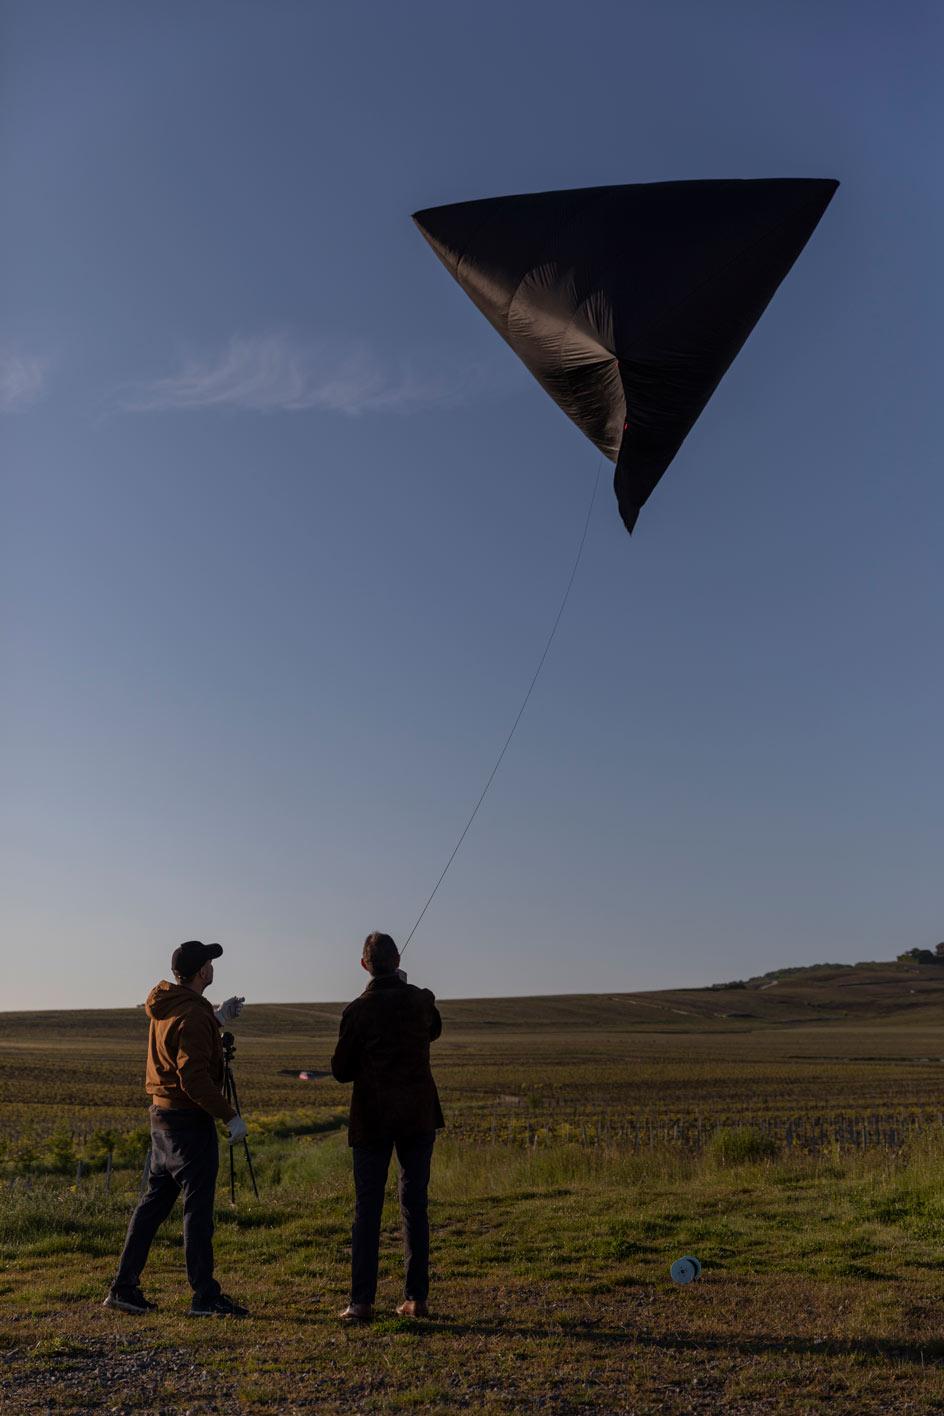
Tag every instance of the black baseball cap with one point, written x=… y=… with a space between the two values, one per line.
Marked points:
x=189 y=957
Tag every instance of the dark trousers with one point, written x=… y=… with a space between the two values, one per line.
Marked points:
x=184 y=1157
x=371 y=1164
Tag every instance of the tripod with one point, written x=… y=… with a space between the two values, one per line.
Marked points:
x=229 y=1091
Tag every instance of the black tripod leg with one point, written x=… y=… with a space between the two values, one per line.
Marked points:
x=232 y=1096
x=231 y=1091
x=229 y=1088
x=235 y=1098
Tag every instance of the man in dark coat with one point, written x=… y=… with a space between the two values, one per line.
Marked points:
x=383 y=1048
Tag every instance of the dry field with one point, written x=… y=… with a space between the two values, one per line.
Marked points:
x=789 y=1135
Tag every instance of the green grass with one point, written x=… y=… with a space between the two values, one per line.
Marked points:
x=550 y=1286
x=590 y=1142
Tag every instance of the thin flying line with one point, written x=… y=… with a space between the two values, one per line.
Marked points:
x=550 y=640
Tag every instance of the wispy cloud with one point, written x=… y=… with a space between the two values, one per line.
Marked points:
x=22 y=379
x=278 y=373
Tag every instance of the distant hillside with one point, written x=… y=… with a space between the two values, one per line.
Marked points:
x=790 y=997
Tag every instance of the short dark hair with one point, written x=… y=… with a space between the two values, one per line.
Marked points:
x=380 y=954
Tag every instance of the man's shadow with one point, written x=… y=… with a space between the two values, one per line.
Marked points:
x=921 y=1354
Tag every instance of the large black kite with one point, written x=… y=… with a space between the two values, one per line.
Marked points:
x=628 y=303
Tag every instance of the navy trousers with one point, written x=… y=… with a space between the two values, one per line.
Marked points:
x=185 y=1158
x=371 y=1163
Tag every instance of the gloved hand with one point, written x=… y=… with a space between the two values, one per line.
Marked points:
x=229 y=1011
x=236 y=1130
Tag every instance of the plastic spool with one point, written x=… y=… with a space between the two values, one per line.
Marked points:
x=685 y=1270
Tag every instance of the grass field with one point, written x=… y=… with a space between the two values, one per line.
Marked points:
x=787 y=1133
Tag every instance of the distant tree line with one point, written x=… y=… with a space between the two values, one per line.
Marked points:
x=910 y=956
x=923 y=956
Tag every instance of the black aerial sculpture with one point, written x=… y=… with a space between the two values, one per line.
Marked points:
x=628 y=303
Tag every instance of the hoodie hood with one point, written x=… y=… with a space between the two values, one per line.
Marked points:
x=172 y=1000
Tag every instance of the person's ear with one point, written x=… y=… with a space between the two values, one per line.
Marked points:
x=364 y=965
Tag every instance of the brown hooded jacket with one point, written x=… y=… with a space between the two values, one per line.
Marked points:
x=185 y=1054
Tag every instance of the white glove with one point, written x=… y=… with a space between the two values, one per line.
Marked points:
x=229 y=1011
x=236 y=1130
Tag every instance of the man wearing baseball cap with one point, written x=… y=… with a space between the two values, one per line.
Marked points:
x=185 y=1082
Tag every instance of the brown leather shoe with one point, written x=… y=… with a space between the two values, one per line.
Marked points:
x=357 y=1313
x=413 y=1308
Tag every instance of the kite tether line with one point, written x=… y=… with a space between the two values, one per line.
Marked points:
x=534 y=679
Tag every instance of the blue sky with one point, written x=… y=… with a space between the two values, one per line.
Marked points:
x=285 y=525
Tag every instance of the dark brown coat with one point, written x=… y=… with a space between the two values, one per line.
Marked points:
x=383 y=1048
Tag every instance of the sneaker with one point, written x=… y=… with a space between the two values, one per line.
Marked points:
x=413 y=1308
x=219 y=1307
x=127 y=1299
x=357 y=1313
